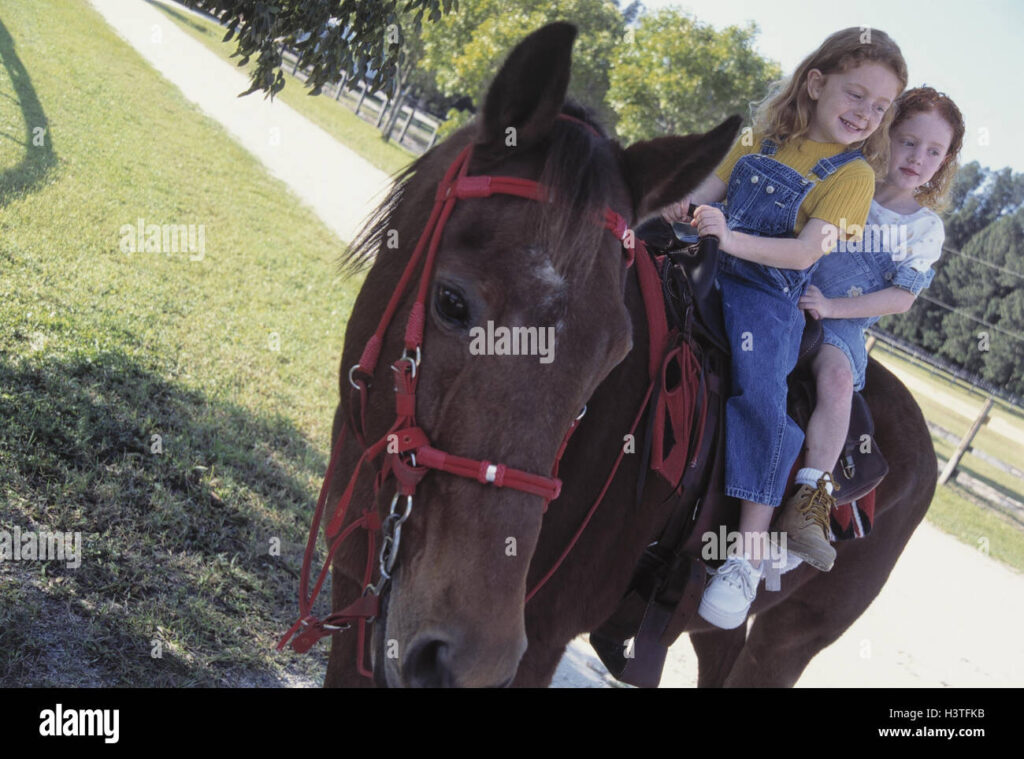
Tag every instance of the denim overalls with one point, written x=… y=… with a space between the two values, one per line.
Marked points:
x=764 y=324
x=848 y=272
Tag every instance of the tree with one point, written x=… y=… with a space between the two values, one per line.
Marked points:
x=330 y=36
x=675 y=75
x=463 y=49
x=408 y=73
x=980 y=275
x=981 y=196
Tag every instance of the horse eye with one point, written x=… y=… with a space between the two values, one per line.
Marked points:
x=451 y=305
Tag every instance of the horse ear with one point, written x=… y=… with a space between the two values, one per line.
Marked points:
x=666 y=169
x=528 y=93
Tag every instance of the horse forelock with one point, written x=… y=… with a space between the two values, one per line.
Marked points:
x=580 y=170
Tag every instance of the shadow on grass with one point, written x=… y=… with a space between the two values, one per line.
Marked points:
x=37 y=161
x=179 y=500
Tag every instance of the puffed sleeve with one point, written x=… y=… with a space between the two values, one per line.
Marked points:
x=923 y=248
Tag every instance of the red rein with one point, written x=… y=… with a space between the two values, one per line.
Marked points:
x=406 y=450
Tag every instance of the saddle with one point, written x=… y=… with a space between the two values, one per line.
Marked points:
x=688 y=286
x=687 y=447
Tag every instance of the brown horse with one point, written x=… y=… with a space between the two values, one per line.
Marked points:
x=454 y=613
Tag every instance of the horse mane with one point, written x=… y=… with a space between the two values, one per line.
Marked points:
x=578 y=168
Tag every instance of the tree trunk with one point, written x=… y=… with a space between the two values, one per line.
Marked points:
x=383 y=110
x=362 y=97
x=405 y=129
x=399 y=99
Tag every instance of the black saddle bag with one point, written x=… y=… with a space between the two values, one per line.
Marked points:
x=861 y=465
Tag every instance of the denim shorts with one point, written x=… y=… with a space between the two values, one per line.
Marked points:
x=849 y=274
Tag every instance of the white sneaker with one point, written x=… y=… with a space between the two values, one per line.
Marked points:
x=729 y=593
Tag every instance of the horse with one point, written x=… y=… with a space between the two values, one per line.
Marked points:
x=454 y=611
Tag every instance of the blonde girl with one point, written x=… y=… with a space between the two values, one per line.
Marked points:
x=803 y=177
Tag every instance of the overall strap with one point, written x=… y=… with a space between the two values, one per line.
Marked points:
x=826 y=167
x=768 y=147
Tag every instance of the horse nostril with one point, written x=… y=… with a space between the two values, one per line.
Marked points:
x=428 y=664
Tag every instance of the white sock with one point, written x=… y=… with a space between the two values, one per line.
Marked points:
x=810 y=476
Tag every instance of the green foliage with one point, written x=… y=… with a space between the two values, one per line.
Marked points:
x=464 y=49
x=358 y=36
x=676 y=75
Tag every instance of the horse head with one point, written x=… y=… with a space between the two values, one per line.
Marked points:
x=524 y=318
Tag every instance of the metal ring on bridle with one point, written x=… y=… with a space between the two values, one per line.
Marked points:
x=408 y=503
x=583 y=413
x=345 y=626
x=350 y=373
x=404 y=357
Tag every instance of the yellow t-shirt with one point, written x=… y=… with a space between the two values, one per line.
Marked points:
x=843 y=199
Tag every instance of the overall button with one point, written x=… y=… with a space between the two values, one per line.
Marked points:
x=785 y=289
x=769 y=189
x=753 y=179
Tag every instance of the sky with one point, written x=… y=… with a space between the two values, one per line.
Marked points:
x=972 y=51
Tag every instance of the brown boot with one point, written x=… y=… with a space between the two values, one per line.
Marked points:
x=805 y=520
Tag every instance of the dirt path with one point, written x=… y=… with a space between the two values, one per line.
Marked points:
x=948 y=617
x=340 y=186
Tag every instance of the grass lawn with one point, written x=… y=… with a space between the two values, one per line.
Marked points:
x=954 y=509
x=175 y=412
x=987 y=439
x=980 y=527
x=334 y=118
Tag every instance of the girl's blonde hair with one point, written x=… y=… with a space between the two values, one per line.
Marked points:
x=786 y=113
x=935 y=192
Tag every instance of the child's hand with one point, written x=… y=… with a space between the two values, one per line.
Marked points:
x=677 y=212
x=710 y=221
x=816 y=304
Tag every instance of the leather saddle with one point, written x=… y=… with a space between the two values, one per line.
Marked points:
x=688 y=275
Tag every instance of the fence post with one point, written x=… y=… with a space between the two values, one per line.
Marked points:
x=961 y=449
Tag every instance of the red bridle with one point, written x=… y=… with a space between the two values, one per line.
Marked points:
x=405 y=447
